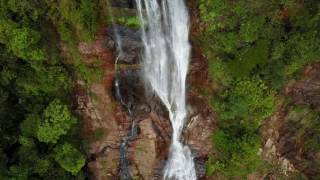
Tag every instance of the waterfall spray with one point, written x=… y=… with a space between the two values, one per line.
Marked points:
x=165 y=31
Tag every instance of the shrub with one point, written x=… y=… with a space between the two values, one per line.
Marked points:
x=248 y=102
x=69 y=158
x=57 y=120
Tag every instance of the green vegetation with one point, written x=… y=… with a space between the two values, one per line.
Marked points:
x=269 y=39
x=39 y=58
x=56 y=121
x=236 y=156
x=241 y=110
x=308 y=125
x=131 y=21
x=69 y=158
x=253 y=48
x=39 y=131
x=249 y=102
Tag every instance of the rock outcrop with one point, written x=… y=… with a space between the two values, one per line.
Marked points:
x=292 y=134
x=198 y=132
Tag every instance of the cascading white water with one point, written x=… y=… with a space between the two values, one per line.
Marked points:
x=165 y=31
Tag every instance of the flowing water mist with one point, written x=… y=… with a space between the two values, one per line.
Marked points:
x=165 y=31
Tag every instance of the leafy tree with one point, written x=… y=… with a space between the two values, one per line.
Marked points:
x=241 y=109
x=57 y=120
x=268 y=40
x=23 y=43
x=69 y=158
x=50 y=80
x=249 y=101
x=236 y=157
x=33 y=76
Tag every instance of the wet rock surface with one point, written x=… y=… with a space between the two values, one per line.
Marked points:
x=130 y=43
x=198 y=132
x=150 y=147
x=114 y=150
x=123 y=3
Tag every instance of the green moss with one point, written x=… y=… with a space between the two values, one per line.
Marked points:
x=131 y=21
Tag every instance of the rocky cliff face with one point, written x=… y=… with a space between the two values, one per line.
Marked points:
x=292 y=133
x=127 y=129
x=128 y=133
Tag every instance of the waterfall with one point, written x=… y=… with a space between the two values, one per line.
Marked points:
x=124 y=165
x=119 y=52
x=165 y=31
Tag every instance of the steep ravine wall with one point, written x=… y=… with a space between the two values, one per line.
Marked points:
x=107 y=122
x=289 y=135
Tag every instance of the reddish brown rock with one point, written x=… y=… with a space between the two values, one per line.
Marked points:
x=307 y=90
x=202 y=124
x=99 y=51
x=96 y=107
x=196 y=24
x=271 y=134
x=198 y=73
x=150 y=149
x=100 y=130
x=198 y=132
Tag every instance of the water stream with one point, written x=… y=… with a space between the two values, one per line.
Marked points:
x=119 y=52
x=124 y=164
x=165 y=32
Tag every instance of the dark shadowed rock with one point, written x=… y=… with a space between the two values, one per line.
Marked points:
x=123 y=3
x=130 y=43
x=150 y=149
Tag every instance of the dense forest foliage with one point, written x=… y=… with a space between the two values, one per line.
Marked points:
x=40 y=133
x=254 y=48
